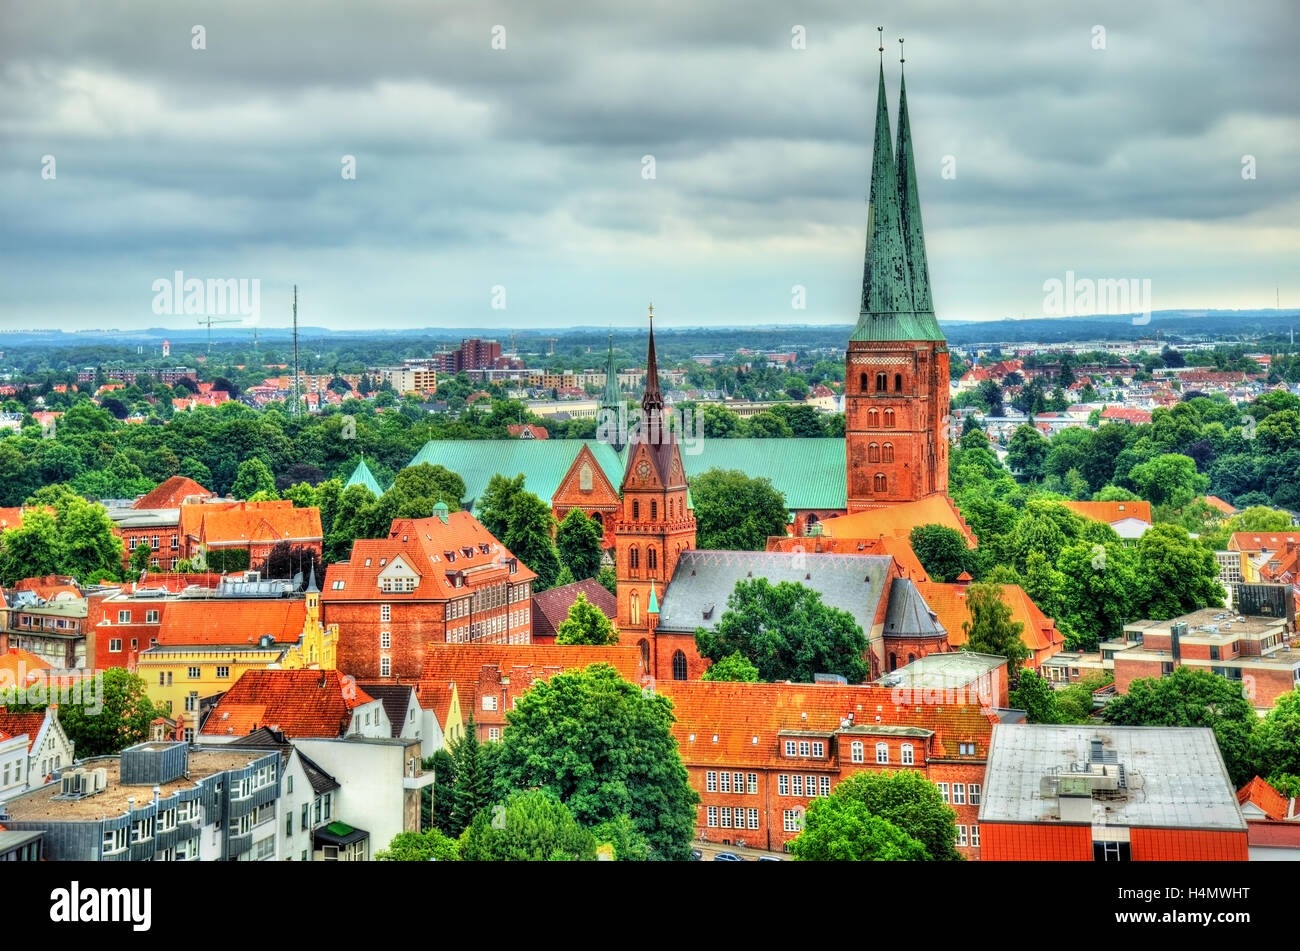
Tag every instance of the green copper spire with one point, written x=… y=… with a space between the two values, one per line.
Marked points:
x=653 y=606
x=910 y=223
x=887 y=311
x=611 y=398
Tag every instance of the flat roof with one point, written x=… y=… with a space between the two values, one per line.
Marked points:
x=956 y=669
x=40 y=804
x=1283 y=658
x=1174 y=776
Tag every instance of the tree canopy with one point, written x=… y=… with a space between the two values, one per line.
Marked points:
x=735 y=512
x=879 y=816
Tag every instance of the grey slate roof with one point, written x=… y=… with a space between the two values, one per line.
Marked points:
x=396 y=699
x=908 y=615
x=704 y=579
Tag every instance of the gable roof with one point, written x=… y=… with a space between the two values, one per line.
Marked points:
x=18 y=724
x=231 y=621
x=461 y=664
x=436 y=551
x=948 y=601
x=1111 y=512
x=1261 y=541
x=396 y=699
x=297 y=702
x=896 y=546
x=899 y=520
x=170 y=494
x=1263 y=796
x=20 y=667
x=242 y=523
x=362 y=475
x=551 y=607
x=703 y=580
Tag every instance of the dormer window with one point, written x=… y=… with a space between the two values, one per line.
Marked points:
x=467 y=551
x=449 y=555
x=483 y=547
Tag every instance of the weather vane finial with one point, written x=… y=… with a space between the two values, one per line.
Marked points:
x=652 y=310
x=881 y=47
x=900 y=51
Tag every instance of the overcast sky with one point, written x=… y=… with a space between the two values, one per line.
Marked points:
x=524 y=168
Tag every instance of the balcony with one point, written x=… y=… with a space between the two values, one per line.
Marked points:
x=418 y=782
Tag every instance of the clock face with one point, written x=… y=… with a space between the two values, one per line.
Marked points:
x=643 y=470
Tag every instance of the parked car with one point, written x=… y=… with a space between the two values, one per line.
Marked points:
x=696 y=855
x=769 y=858
x=727 y=857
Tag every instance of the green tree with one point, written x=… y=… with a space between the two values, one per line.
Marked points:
x=991 y=629
x=608 y=579
x=443 y=798
x=734 y=667
x=736 y=513
x=1036 y=697
x=102 y=726
x=843 y=830
x=473 y=784
x=140 y=557
x=1196 y=698
x=528 y=537
x=430 y=846
x=1175 y=575
x=77 y=539
x=586 y=624
x=252 y=477
x=1097 y=592
x=530 y=826
x=918 y=824
x=32 y=549
x=1168 y=479
x=787 y=633
x=578 y=542
x=942 y=551
x=495 y=504
x=1276 y=742
x=1260 y=518
x=573 y=734
x=629 y=844
x=417 y=489
x=1027 y=453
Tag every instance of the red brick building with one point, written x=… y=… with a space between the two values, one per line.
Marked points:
x=759 y=753
x=1109 y=794
x=1272 y=822
x=255 y=527
x=299 y=703
x=438 y=580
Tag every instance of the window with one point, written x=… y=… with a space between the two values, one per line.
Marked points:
x=385 y=613
x=966 y=749
x=783 y=785
x=288 y=784
x=711 y=781
x=881 y=385
x=162 y=679
x=943 y=790
x=898 y=382
x=726 y=817
x=636 y=510
x=154 y=542
x=855 y=752
x=385 y=667
x=713 y=817
x=975 y=837
x=751 y=784
x=494 y=733
x=796 y=785
x=961 y=837
x=725 y=785
x=873 y=452
x=880 y=483
x=385 y=640
x=959 y=794
x=305 y=815
x=223 y=671
x=819 y=749
x=151 y=617
x=790 y=820
x=823 y=785
x=634 y=557
x=115 y=645
x=123 y=617
x=142 y=830
x=887 y=452
x=114 y=840
x=654 y=510
x=974 y=789
x=738 y=783
x=789 y=747
x=192 y=699
x=882 y=752
x=679 y=665
x=489 y=701
x=174 y=540
x=651 y=559
x=907 y=755
x=862 y=382
x=805 y=748
x=192 y=673
x=288 y=825
x=135 y=642
x=889 y=419
x=753 y=818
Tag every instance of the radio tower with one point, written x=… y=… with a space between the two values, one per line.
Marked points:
x=295 y=350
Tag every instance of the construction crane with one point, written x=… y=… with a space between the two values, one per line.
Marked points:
x=551 y=341
x=210 y=320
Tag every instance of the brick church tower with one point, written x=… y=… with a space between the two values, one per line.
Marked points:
x=896 y=368
x=654 y=526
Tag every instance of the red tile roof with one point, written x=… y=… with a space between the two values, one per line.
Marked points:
x=432 y=550
x=550 y=608
x=517 y=430
x=226 y=524
x=1263 y=796
x=298 y=702
x=231 y=621
x=1110 y=512
x=948 y=601
x=900 y=548
x=17 y=724
x=899 y=520
x=1126 y=413
x=1225 y=507
x=170 y=494
x=1261 y=541
x=738 y=712
x=19 y=667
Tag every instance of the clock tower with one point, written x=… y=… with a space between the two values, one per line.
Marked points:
x=655 y=525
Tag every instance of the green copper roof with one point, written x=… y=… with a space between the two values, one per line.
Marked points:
x=887 y=309
x=653 y=606
x=910 y=224
x=611 y=398
x=808 y=472
x=361 y=475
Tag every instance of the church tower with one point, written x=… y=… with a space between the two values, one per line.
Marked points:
x=896 y=368
x=655 y=524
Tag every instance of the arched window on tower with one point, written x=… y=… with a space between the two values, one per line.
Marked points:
x=644 y=646
x=873 y=452
x=654 y=510
x=634 y=608
x=882 y=382
x=889 y=419
x=636 y=510
x=679 y=665
x=887 y=452
x=898 y=382
x=893 y=661
x=862 y=383
x=873 y=418
x=651 y=559
x=634 y=558
x=881 y=483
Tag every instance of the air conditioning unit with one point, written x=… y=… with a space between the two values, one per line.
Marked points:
x=70 y=783
x=101 y=779
x=87 y=784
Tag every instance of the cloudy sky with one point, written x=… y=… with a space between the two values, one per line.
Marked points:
x=1107 y=139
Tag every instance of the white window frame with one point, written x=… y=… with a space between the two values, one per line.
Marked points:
x=882 y=753
x=857 y=752
x=385 y=667
x=973 y=793
x=712 y=813
x=909 y=758
x=959 y=794
x=711 y=781
x=943 y=790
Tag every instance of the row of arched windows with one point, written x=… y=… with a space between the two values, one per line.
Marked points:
x=882 y=383
x=669 y=509
x=874 y=417
x=880 y=453
x=651 y=558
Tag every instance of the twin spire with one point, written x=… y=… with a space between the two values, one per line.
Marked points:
x=896 y=299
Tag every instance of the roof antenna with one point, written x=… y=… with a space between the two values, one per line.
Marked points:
x=881 y=31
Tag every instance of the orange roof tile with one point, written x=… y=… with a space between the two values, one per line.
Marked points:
x=899 y=520
x=170 y=494
x=1225 y=507
x=900 y=548
x=1110 y=512
x=232 y=621
x=17 y=724
x=1261 y=541
x=20 y=667
x=1263 y=796
x=948 y=601
x=225 y=524
x=461 y=663
x=298 y=702
x=436 y=552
